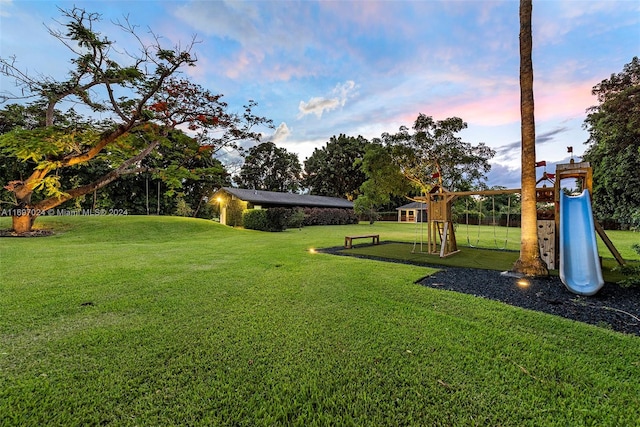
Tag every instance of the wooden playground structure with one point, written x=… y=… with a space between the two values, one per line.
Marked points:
x=441 y=237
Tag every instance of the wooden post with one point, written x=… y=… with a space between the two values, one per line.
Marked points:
x=608 y=242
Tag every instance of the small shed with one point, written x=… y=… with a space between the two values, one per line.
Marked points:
x=259 y=199
x=412 y=212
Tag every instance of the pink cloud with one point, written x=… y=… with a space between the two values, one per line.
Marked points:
x=363 y=14
x=494 y=110
x=553 y=100
x=244 y=65
x=557 y=99
x=239 y=64
x=286 y=72
x=383 y=16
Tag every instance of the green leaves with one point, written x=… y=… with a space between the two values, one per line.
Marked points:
x=334 y=170
x=144 y=103
x=45 y=145
x=50 y=186
x=435 y=152
x=270 y=168
x=405 y=163
x=614 y=146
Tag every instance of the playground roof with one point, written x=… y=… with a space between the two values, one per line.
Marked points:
x=259 y=197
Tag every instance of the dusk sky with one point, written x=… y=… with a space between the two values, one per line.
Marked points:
x=319 y=69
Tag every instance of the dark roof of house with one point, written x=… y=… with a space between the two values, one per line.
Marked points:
x=288 y=199
x=413 y=205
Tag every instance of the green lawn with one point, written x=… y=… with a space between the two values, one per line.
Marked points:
x=170 y=321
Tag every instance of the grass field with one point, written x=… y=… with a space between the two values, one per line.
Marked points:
x=173 y=321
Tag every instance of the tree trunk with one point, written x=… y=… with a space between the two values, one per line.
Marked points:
x=529 y=263
x=22 y=214
x=22 y=224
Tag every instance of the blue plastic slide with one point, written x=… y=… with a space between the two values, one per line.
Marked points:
x=579 y=262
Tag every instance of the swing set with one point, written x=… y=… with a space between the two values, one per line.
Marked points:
x=494 y=221
x=441 y=237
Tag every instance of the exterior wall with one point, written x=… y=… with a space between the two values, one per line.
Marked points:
x=412 y=215
x=406 y=215
x=223 y=214
x=229 y=210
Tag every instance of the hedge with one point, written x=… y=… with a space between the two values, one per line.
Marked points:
x=272 y=219
x=279 y=219
x=255 y=219
x=329 y=216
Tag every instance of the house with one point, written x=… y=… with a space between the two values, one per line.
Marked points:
x=412 y=212
x=259 y=199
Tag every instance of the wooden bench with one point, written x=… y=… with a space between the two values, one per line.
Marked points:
x=348 y=239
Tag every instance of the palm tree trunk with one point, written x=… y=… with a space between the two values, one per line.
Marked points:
x=529 y=263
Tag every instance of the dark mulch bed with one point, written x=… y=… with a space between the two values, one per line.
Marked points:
x=612 y=307
x=34 y=233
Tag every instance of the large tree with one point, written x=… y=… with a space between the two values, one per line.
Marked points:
x=614 y=146
x=434 y=154
x=530 y=263
x=411 y=163
x=152 y=190
x=143 y=99
x=332 y=169
x=384 y=183
x=271 y=168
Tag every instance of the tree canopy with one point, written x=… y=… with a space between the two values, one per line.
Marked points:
x=143 y=99
x=333 y=170
x=434 y=154
x=411 y=163
x=384 y=181
x=614 y=146
x=271 y=168
x=131 y=192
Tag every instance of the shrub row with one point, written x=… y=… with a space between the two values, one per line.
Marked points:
x=329 y=216
x=279 y=219
x=273 y=219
